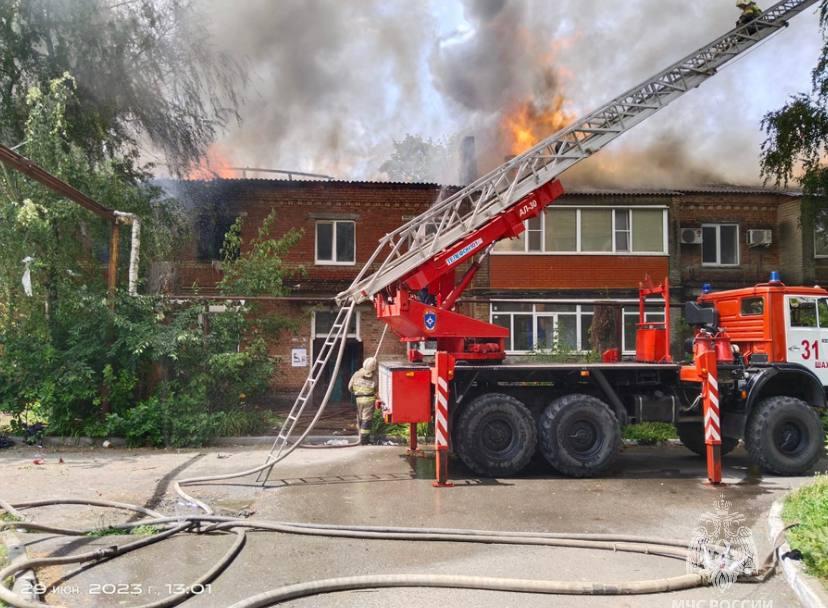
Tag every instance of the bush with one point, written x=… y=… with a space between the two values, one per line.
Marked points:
x=650 y=433
x=809 y=507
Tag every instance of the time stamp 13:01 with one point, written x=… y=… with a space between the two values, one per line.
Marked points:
x=122 y=589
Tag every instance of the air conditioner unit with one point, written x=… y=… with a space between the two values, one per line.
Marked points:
x=691 y=236
x=759 y=238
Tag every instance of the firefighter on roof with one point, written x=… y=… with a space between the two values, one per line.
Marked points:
x=750 y=11
x=363 y=385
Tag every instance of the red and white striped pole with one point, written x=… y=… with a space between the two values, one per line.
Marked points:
x=705 y=356
x=441 y=373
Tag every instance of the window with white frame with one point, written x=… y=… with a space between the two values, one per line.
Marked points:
x=821 y=234
x=628 y=336
x=600 y=230
x=323 y=321
x=544 y=326
x=335 y=242
x=720 y=244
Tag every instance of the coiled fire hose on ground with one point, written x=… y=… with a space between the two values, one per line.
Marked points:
x=209 y=523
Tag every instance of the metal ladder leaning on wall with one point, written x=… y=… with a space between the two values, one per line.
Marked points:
x=449 y=220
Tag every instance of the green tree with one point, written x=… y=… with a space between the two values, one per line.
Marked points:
x=145 y=69
x=797 y=133
x=257 y=269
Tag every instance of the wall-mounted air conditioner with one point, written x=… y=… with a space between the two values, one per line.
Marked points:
x=759 y=238
x=691 y=236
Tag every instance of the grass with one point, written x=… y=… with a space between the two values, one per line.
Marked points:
x=136 y=531
x=650 y=433
x=809 y=506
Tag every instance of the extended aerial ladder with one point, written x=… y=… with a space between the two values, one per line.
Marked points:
x=411 y=274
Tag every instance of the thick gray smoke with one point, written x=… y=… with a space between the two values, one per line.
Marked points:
x=334 y=83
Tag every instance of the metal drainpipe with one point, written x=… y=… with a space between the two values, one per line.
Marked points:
x=135 y=247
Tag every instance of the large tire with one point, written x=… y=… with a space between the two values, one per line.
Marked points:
x=691 y=435
x=496 y=435
x=579 y=435
x=784 y=436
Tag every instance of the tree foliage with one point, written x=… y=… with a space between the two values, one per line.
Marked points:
x=168 y=373
x=145 y=70
x=258 y=269
x=797 y=133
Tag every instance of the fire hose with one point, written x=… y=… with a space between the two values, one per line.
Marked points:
x=209 y=523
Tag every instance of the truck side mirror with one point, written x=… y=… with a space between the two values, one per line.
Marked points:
x=701 y=315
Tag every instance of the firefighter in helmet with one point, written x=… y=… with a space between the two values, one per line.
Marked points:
x=750 y=11
x=363 y=385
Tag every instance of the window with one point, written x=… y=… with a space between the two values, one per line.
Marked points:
x=803 y=312
x=753 y=306
x=323 y=320
x=821 y=234
x=596 y=230
x=561 y=229
x=335 y=242
x=622 y=230
x=822 y=311
x=631 y=326
x=720 y=245
x=561 y=328
x=602 y=230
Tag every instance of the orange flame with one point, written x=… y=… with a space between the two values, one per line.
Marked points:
x=529 y=122
x=213 y=165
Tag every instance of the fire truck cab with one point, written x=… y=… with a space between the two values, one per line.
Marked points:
x=773 y=323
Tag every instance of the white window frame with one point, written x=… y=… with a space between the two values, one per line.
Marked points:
x=633 y=312
x=357 y=333
x=578 y=250
x=334 y=261
x=535 y=314
x=718 y=263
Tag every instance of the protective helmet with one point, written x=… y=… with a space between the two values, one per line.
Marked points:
x=369 y=365
x=742 y=3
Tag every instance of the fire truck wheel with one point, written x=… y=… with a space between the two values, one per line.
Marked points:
x=784 y=436
x=691 y=435
x=579 y=435
x=496 y=435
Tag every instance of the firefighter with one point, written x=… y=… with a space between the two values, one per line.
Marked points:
x=363 y=385
x=750 y=11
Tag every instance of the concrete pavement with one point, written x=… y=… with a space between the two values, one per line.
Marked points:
x=652 y=491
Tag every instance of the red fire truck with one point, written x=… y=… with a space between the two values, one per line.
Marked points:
x=756 y=367
x=770 y=347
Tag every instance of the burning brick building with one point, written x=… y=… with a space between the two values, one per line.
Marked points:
x=589 y=248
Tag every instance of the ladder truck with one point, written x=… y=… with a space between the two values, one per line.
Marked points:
x=494 y=414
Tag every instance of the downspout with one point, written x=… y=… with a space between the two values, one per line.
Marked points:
x=135 y=247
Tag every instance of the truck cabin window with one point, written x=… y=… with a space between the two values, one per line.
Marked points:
x=753 y=306
x=803 y=312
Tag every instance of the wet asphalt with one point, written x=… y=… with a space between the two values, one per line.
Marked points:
x=652 y=491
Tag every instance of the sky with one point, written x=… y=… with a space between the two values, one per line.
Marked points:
x=334 y=83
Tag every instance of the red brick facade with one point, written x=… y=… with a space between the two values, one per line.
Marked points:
x=378 y=208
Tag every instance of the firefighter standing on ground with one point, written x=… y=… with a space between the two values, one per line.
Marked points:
x=750 y=11
x=363 y=385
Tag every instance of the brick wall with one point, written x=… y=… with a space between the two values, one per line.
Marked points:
x=749 y=210
x=789 y=237
x=528 y=272
x=377 y=209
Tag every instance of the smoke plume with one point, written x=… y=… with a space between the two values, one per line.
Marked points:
x=334 y=84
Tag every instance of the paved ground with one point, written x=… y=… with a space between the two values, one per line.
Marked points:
x=653 y=491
